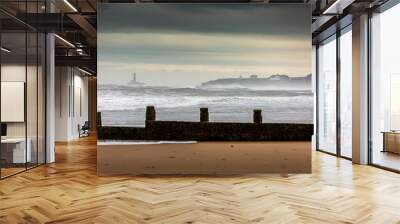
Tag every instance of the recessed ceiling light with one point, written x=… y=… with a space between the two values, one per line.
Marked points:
x=84 y=71
x=64 y=40
x=5 y=50
x=70 y=5
x=337 y=7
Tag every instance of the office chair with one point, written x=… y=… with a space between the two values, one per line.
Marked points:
x=84 y=130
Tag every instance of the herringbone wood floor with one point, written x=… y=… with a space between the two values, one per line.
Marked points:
x=70 y=192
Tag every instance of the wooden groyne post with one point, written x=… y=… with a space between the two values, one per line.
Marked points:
x=150 y=113
x=257 y=116
x=204 y=114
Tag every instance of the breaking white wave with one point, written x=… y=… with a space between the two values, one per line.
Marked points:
x=124 y=105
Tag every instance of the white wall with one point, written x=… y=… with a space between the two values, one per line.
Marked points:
x=80 y=104
x=17 y=73
x=33 y=126
x=14 y=73
x=71 y=94
x=62 y=82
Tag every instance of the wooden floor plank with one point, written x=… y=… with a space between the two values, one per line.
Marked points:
x=69 y=191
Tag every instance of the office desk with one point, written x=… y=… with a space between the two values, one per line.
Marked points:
x=13 y=150
x=391 y=141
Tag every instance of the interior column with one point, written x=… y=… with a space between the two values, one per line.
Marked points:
x=360 y=90
x=50 y=92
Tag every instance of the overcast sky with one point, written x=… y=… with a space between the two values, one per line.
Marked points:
x=183 y=45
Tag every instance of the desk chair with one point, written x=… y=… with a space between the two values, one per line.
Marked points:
x=84 y=130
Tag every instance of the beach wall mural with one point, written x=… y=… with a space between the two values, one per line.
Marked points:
x=229 y=58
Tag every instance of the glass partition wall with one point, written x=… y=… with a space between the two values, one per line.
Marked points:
x=385 y=89
x=22 y=77
x=334 y=106
x=13 y=90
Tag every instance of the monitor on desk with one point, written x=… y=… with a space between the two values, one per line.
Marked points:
x=3 y=130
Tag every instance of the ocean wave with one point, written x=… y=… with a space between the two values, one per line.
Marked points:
x=197 y=91
x=125 y=105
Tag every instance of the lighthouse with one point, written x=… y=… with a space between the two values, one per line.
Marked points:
x=133 y=82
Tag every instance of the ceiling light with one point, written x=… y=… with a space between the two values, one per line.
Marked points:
x=84 y=71
x=79 y=51
x=333 y=6
x=70 y=5
x=337 y=7
x=65 y=41
x=5 y=50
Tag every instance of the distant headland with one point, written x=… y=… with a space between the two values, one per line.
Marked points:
x=278 y=81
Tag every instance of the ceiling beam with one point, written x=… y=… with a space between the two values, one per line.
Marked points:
x=84 y=24
x=77 y=61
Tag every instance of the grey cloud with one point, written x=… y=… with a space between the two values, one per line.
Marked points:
x=202 y=42
x=205 y=18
